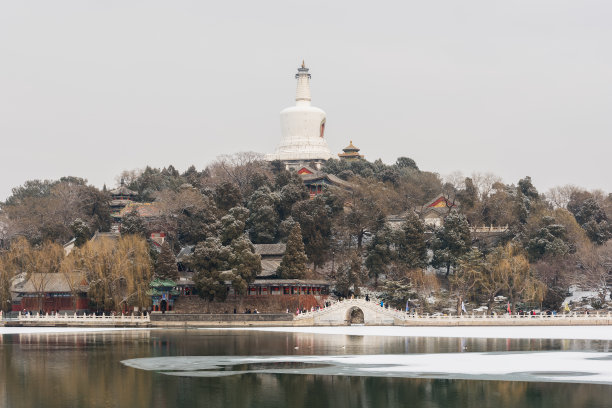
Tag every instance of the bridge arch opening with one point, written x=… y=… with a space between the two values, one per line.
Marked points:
x=355 y=316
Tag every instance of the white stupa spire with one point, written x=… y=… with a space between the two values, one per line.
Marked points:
x=302 y=127
x=302 y=94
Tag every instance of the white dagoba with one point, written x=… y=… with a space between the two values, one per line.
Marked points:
x=302 y=128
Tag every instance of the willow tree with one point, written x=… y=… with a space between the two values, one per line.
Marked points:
x=6 y=276
x=36 y=263
x=75 y=277
x=118 y=271
x=134 y=271
x=479 y=277
x=472 y=276
x=511 y=266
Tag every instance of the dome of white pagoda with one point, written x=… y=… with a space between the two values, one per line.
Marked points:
x=302 y=127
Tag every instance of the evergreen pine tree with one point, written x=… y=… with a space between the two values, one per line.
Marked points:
x=412 y=246
x=81 y=232
x=132 y=224
x=451 y=241
x=165 y=266
x=293 y=265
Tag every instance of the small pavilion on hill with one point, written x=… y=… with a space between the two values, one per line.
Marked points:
x=120 y=197
x=351 y=152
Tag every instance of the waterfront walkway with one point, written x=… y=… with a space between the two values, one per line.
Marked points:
x=346 y=312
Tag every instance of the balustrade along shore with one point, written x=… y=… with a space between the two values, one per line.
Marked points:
x=346 y=312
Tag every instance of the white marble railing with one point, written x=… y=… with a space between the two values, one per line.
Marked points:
x=73 y=318
x=347 y=303
x=402 y=315
x=340 y=305
x=542 y=316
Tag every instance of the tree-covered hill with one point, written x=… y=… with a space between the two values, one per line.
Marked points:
x=553 y=239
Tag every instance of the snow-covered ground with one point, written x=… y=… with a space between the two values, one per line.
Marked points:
x=496 y=332
x=578 y=295
x=34 y=330
x=553 y=366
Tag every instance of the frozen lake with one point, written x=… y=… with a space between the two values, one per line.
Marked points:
x=307 y=367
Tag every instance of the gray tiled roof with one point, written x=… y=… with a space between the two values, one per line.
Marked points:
x=310 y=178
x=53 y=283
x=184 y=252
x=289 y=282
x=269 y=267
x=123 y=191
x=270 y=249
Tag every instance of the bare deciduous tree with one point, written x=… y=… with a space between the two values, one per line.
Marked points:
x=595 y=268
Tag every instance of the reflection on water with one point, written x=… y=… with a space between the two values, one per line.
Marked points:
x=85 y=370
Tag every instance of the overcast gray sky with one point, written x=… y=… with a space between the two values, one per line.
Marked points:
x=516 y=88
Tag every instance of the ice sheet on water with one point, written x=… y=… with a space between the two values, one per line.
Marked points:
x=582 y=367
x=494 y=332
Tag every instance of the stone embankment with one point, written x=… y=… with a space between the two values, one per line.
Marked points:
x=350 y=311
x=220 y=320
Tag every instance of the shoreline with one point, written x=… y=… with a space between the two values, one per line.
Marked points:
x=586 y=333
x=288 y=320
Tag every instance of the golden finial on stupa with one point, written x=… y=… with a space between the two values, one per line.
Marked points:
x=303 y=66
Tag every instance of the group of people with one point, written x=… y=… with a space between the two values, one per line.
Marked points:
x=522 y=312
x=248 y=311
x=312 y=309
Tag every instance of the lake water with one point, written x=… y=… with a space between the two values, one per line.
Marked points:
x=212 y=368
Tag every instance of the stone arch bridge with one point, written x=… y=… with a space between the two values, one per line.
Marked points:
x=351 y=311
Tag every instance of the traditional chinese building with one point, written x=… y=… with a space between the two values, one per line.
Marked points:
x=51 y=292
x=265 y=283
x=120 y=198
x=315 y=180
x=271 y=257
x=434 y=212
x=163 y=293
x=288 y=287
x=350 y=152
